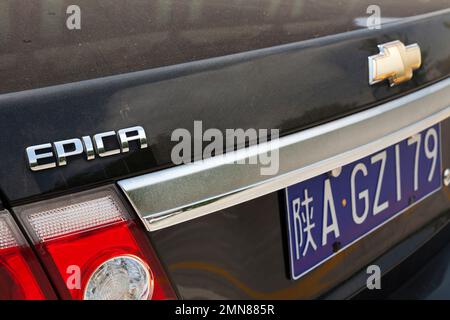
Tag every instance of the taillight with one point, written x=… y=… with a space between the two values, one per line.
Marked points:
x=92 y=248
x=21 y=277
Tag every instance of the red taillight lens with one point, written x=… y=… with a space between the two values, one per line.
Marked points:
x=21 y=277
x=92 y=249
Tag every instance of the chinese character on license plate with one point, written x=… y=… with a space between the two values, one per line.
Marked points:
x=330 y=212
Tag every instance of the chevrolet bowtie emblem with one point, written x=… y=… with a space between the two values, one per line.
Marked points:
x=395 y=62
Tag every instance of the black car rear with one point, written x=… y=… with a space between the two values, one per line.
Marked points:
x=213 y=229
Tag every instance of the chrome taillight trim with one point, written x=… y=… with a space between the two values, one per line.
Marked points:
x=185 y=192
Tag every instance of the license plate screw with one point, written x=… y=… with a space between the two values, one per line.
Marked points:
x=336 y=246
x=446 y=177
x=336 y=172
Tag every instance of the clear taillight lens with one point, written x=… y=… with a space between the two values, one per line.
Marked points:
x=121 y=278
x=21 y=276
x=92 y=248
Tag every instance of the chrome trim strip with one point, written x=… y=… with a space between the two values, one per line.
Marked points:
x=185 y=192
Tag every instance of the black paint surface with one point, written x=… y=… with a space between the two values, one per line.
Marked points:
x=288 y=87
x=116 y=36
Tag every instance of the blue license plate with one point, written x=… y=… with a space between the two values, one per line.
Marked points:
x=330 y=212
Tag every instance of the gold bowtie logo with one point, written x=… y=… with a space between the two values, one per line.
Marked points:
x=395 y=62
